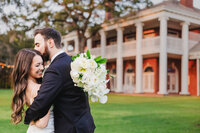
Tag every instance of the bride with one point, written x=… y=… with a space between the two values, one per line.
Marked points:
x=26 y=76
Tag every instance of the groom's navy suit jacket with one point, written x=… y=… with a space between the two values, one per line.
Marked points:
x=71 y=106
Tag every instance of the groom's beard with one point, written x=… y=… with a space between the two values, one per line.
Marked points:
x=46 y=57
x=46 y=54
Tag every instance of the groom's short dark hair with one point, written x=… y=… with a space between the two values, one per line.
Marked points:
x=48 y=33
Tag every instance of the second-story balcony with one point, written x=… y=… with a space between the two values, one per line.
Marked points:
x=150 y=45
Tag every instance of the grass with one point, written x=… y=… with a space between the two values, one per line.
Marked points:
x=129 y=114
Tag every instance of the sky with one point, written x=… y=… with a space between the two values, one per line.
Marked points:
x=196 y=3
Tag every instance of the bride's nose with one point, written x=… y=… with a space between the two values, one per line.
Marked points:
x=42 y=67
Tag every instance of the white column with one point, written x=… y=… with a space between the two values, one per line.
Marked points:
x=76 y=45
x=103 y=42
x=198 y=89
x=119 y=60
x=184 y=60
x=163 y=56
x=139 y=59
x=89 y=43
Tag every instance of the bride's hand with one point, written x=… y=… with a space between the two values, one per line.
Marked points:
x=32 y=123
x=43 y=122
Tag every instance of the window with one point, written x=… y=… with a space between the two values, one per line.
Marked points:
x=149 y=33
x=96 y=44
x=148 y=69
x=173 y=33
x=129 y=37
x=112 y=41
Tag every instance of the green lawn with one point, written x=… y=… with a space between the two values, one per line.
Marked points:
x=129 y=114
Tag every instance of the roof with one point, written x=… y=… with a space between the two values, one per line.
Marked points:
x=196 y=48
x=170 y=5
x=194 y=52
x=176 y=4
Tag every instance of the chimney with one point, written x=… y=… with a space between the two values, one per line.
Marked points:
x=108 y=16
x=187 y=3
x=110 y=6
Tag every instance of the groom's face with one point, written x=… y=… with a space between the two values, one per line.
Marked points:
x=41 y=45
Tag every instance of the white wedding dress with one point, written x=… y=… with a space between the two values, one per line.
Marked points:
x=48 y=129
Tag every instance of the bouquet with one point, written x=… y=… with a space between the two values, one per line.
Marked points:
x=89 y=72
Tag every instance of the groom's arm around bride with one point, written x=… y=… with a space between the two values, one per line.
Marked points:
x=71 y=106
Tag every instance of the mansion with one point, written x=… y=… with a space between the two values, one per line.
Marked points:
x=156 y=51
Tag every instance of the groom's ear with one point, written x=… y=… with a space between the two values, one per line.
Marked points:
x=51 y=43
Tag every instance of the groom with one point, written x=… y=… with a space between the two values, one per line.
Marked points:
x=71 y=106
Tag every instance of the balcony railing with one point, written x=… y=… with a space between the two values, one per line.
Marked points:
x=194 y=36
x=129 y=48
x=96 y=51
x=111 y=51
x=149 y=46
x=174 y=45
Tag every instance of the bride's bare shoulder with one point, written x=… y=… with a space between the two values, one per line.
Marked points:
x=33 y=86
x=32 y=89
x=37 y=86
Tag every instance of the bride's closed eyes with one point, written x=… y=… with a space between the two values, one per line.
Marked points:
x=39 y=64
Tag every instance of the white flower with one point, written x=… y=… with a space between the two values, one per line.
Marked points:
x=90 y=76
x=103 y=99
x=92 y=64
x=94 y=98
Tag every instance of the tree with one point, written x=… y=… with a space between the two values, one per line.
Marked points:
x=11 y=43
x=81 y=16
x=14 y=38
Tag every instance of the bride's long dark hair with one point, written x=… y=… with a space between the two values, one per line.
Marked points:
x=20 y=75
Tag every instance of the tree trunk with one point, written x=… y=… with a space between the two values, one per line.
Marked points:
x=82 y=44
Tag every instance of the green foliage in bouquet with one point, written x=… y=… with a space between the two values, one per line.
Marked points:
x=74 y=57
x=98 y=59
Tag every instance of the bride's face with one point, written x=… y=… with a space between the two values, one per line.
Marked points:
x=36 y=67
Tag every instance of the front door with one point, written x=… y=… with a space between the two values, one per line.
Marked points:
x=172 y=82
x=129 y=82
x=148 y=82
